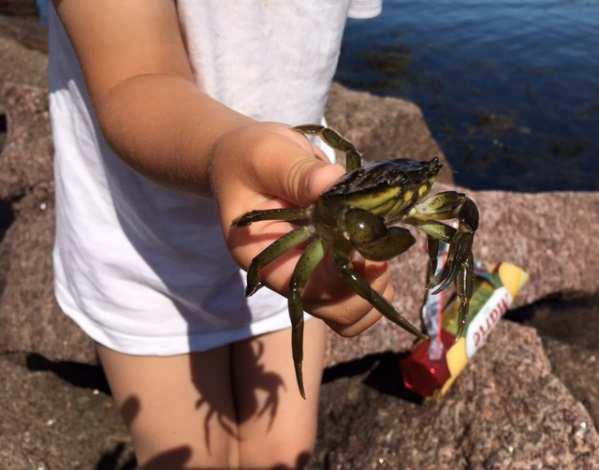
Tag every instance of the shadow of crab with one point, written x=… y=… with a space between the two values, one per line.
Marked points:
x=263 y=382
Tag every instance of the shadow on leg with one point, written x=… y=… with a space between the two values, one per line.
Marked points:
x=277 y=427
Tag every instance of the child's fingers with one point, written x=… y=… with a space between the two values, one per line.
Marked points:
x=297 y=177
x=347 y=313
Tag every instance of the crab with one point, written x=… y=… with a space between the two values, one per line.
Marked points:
x=360 y=212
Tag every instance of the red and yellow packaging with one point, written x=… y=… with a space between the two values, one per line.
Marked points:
x=433 y=365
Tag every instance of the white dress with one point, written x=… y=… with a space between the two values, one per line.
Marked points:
x=143 y=269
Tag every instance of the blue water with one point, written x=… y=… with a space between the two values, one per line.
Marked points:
x=510 y=89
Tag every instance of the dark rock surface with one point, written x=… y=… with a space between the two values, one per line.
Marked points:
x=56 y=416
x=18 y=8
x=20 y=63
x=26 y=30
x=30 y=319
x=26 y=164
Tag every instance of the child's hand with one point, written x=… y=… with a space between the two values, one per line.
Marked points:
x=267 y=166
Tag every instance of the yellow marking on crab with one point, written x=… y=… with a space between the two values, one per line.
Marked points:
x=408 y=195
x=384 y=207
x=422 y=190
x=370 y=201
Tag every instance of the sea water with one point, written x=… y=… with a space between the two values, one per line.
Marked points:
x=510 y=89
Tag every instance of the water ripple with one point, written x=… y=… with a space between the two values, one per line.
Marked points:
x=510 y=89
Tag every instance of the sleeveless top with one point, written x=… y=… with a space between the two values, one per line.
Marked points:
x=144 y=269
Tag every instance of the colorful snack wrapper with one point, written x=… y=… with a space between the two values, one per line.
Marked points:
x=433 y=365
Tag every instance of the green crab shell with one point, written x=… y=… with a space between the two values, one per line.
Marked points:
x=378 y=186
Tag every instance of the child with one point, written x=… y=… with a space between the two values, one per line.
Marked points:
x=168 y=124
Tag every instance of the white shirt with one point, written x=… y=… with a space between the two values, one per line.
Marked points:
x=144 y=269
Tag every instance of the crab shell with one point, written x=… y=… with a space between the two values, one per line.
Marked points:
x=387 y=188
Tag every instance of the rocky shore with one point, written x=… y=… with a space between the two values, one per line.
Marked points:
x=528 y=400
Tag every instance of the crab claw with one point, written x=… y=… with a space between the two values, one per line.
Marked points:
x=460 y=249
x=460 y=246
x=464 y=287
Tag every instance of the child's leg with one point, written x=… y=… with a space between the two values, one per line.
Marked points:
x=276 y=426
x=179 y=409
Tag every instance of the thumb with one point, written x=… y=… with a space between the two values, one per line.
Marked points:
x=301 y=179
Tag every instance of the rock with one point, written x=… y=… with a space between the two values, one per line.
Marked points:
x=26 y=163
x=30 y=319
x=21 y=64
x=26 y=30
x=58 y=416
x=18 y=8
x=569 y=328
x=383 y=127
x=548 y=234
x=578 y=369
x=571 y=319
x=507 y=410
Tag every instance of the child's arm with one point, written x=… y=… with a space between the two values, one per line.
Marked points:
x=161 y=124
x=143 y=90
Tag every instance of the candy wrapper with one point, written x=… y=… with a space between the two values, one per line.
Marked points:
x=433 y=365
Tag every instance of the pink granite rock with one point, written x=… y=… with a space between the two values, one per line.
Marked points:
x=22 y=62
x=30 y=319
x=24 y=29
x=507 y=410
x=26 y=162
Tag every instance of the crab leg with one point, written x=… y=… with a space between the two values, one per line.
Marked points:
x=363 y=289
x=464 y=287
x=273 y=251
x=312 y=255
x=449 y=205
x=438 y=231
x=289 y=214
x=353 y=158
x=459 y=250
